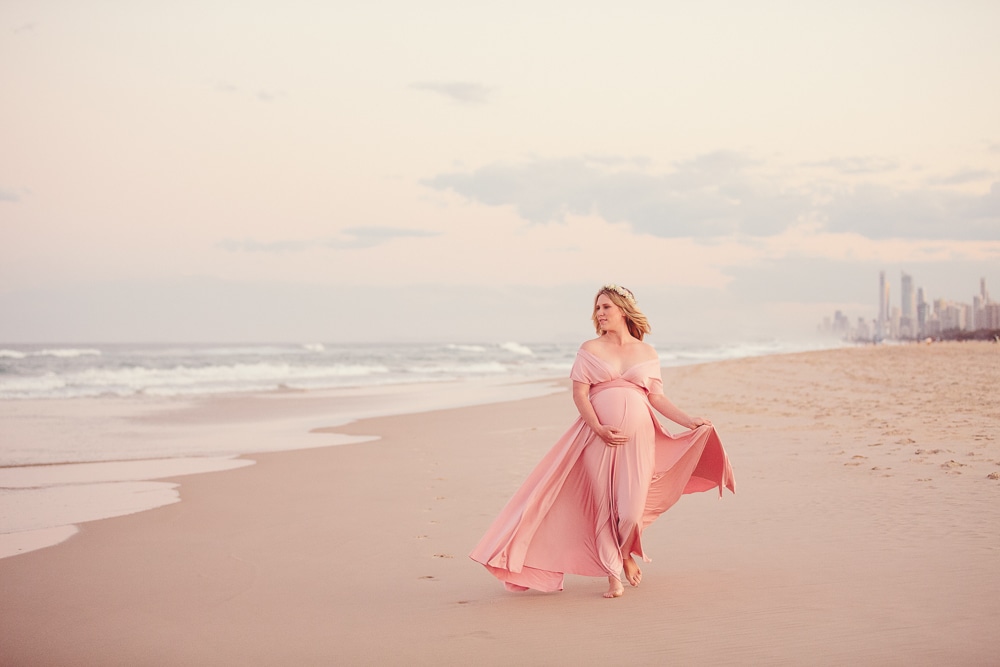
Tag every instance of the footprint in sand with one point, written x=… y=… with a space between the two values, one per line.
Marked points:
x=993 y=475
x=443 y=556
x=953 y=464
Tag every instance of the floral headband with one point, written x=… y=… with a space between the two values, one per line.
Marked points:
x=623 y=292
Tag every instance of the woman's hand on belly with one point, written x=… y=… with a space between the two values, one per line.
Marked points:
x=611 y=436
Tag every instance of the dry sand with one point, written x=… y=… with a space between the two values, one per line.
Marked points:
x=865 y=531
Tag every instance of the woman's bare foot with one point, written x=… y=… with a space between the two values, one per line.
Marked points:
x=615 y=588
x=632 y=571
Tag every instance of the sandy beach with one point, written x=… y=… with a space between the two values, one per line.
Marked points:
x=864 y=531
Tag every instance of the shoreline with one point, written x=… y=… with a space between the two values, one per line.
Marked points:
x=863 y=482
x=43 y=500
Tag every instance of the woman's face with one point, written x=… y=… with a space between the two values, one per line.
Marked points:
x=609 y=316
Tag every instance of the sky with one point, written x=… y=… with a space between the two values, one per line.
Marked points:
x=461 y=171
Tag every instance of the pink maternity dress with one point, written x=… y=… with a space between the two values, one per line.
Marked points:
x=585 y=498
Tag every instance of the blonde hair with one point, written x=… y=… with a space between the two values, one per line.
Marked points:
x=638 y=325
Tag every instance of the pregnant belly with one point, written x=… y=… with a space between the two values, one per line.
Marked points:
x=624 y=409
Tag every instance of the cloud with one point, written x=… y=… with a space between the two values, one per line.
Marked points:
x=351 y=238
x=366 y=237
x=9 y=195
x=880 y=212
x=862 y=164
x=712 y=195
x=250 y=245
x=637 y=161
x=262 y=95
x=24 y=28
x=724 y=194
x=458 y=91
x=961 y=177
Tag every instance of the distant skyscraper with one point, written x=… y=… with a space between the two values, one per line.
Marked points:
x=981 y=308
x=882 y=321
x=906 y=287
x=921 y=312
x=908 y=307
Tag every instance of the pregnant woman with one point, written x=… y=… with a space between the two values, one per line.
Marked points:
x=584 y=507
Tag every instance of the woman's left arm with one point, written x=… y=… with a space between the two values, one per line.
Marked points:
x=666 y=407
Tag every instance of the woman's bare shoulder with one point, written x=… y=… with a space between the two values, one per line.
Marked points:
x=648 y=351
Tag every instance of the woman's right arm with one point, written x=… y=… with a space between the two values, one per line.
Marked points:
x=581 y=397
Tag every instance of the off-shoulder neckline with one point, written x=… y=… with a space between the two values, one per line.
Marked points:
x=610 y=367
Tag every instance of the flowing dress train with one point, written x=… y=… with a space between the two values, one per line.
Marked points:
x=585 y=498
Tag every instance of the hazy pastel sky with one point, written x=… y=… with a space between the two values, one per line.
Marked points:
x=307 y=171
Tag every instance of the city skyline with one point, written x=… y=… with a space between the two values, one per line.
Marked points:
x=916 y=316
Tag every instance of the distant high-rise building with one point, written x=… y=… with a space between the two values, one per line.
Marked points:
x=882 y=321
x=907 y=307
x=862 y=332
x=921 y=313
x=906 y=289
x=983 y=294
x=950 y=316
x=991 y=316
x=840 y=323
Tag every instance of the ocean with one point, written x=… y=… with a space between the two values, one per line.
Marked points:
x=96 y=370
